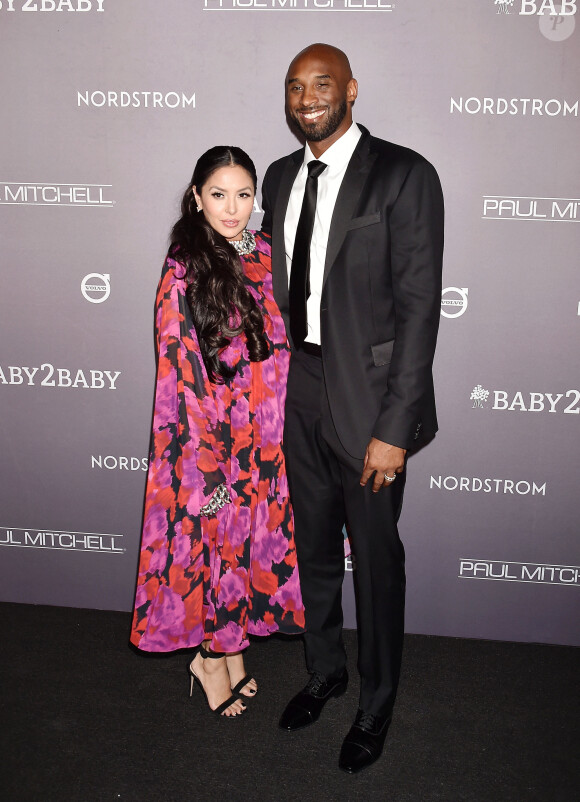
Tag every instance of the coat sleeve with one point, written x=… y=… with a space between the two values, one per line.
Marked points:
x=267 y=202
x=416 y=233
x=188 y=461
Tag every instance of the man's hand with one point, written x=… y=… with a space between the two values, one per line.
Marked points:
x=383 y=460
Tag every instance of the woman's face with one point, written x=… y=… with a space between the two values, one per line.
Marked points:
x=227 y=200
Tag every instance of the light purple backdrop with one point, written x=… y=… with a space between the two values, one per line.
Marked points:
x=106 y=106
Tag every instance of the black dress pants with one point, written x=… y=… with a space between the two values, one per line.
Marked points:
x=326 y=492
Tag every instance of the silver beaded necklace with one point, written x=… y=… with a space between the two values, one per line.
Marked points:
x=246 y=244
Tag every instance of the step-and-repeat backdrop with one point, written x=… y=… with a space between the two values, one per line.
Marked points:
x=106 y=105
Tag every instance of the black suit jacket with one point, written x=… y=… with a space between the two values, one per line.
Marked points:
x=381 y=294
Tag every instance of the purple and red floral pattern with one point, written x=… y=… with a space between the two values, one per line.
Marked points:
x=234 y=573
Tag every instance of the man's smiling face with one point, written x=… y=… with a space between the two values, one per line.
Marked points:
x=320 y=91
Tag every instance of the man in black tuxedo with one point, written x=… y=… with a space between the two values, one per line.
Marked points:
x=357 y=242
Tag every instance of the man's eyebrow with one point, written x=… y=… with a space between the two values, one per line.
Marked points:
x=317 y=77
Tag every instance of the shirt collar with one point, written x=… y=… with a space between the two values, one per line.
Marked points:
x=338 y=155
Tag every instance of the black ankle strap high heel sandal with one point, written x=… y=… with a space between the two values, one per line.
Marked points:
x=194 y=678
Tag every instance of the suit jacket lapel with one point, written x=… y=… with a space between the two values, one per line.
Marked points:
x=352 y=184
x=279 y=268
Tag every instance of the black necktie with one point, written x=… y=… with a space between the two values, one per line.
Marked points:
x=300 y=272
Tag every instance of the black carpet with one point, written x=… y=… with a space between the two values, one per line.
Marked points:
x=84 y=717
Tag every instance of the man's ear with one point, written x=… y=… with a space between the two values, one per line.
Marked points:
x=352 y=90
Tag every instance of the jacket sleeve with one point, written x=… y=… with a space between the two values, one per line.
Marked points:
x=416 y=235
x=267 y=202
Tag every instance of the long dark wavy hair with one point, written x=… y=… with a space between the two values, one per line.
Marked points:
x=220 y=303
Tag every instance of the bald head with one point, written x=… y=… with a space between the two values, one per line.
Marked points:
x=329 y=53
x=320 y=92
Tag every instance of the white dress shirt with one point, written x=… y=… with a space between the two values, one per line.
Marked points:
x=337 y=158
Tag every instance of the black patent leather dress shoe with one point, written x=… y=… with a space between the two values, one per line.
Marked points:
x=305 y=708
x=364 y=742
